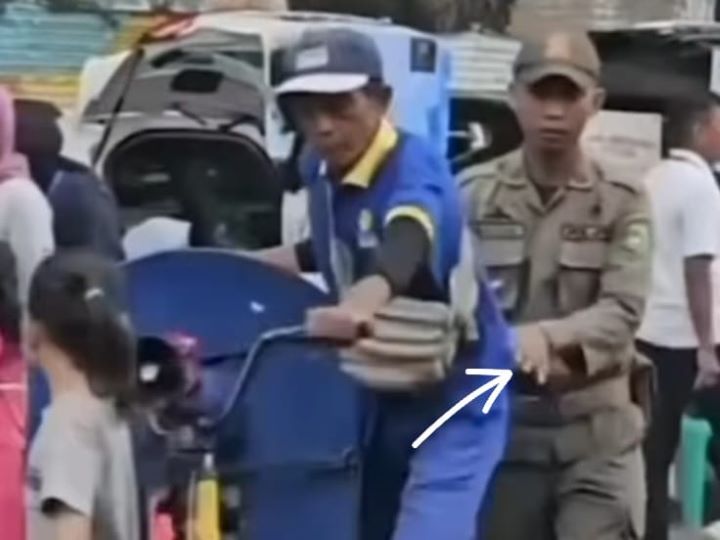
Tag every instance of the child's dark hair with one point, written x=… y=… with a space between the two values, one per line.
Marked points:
x=78 y=298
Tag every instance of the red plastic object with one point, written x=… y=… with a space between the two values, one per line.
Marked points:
x=163 y=529
x=189 y=352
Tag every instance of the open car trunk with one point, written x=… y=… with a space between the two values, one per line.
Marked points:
x=208 y=75
x=222 y=183
x=185 y=126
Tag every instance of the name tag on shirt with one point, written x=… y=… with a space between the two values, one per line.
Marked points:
x=499 y=230
x=585 y=233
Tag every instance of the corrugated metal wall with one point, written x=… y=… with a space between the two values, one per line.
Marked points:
x=41 y=53
x=531 y=15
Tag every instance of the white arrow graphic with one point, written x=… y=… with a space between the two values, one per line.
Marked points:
x=500 y=379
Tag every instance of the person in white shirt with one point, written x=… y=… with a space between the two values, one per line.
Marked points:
x=677 y=330
x=25 y=214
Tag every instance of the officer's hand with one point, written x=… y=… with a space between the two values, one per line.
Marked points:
x=708 y=368
x=337 y=323
x=560 y=370
x=534 y=352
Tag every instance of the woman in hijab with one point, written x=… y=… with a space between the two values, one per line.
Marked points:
x=25 y=215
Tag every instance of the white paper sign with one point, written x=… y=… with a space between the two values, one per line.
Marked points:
x=627 y=144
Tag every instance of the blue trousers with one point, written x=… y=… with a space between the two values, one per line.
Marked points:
x=437 y=491
x=39 y=398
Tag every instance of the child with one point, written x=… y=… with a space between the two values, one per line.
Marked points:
x=13 y=404
x=81 y=475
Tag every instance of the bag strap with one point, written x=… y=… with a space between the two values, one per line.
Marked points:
x=341 y=262
x=465 y=289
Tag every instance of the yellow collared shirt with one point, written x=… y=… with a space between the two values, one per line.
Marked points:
x=361 y=175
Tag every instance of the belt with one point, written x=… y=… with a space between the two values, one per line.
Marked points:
x=553 y=409
x=605 y=432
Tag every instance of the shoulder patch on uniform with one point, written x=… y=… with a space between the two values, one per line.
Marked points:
x=636 y=242
x=637 y=238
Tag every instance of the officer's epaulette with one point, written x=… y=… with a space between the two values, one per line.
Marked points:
x=478 y=173
x=484 y=190
x=512 y=165
x=491 y=171
x=632 y=184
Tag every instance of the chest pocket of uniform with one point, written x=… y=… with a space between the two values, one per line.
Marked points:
x=581 y=263
x=504 y=262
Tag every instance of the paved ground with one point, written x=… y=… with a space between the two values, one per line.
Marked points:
x=685 y=535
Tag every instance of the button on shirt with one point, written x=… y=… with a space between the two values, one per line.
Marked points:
x=685 y=204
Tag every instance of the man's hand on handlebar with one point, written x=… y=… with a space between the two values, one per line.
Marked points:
x=338 y=323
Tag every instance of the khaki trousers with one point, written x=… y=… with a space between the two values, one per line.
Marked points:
x=596 y=498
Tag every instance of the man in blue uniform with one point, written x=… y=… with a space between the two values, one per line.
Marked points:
x=385 y=220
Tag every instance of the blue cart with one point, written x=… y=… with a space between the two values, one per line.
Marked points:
x=289 y=431
x=287 y=426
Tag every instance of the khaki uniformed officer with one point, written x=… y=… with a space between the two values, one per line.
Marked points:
x=566 y=248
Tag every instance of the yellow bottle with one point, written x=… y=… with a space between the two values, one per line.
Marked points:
x=206 y=524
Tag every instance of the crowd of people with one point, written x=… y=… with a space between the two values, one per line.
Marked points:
x=605 y=284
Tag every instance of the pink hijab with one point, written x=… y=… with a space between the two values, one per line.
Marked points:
x=12 y=164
